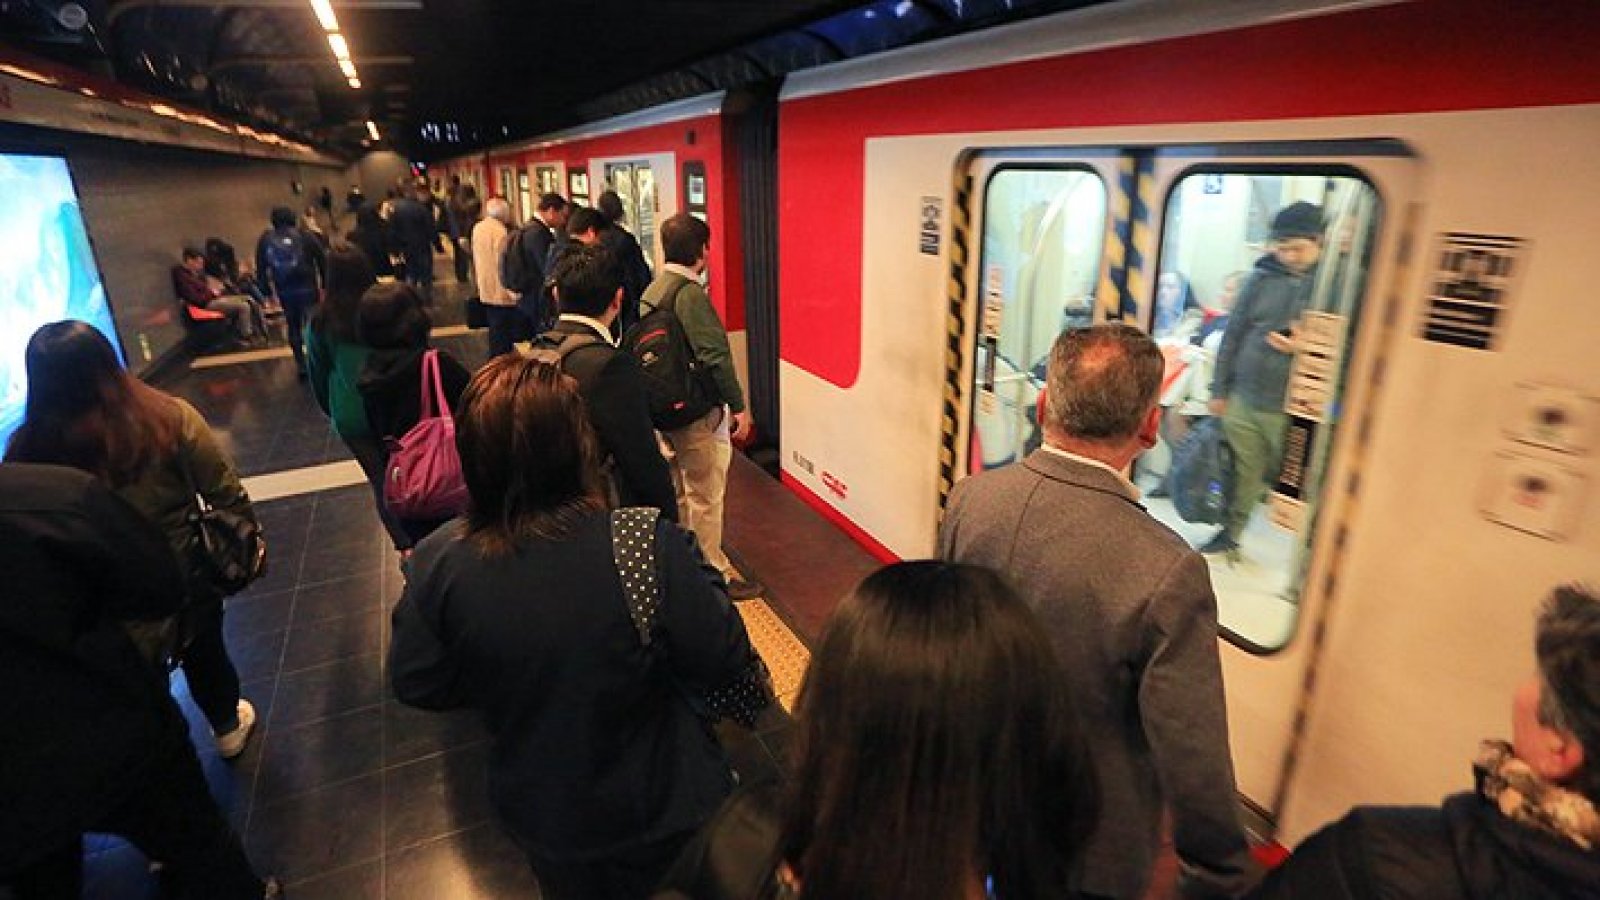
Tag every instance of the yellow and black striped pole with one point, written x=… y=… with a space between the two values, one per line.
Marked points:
x=955 y=328
x=1132 y=242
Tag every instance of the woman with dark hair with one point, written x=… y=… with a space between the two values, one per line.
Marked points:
x=625 y=249
x=939 y=757
x=335 y=360
x=601 y=768
x=392 y=321
x=154 y=451
x=371 y=234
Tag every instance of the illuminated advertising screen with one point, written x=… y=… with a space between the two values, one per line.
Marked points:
x=47 y=269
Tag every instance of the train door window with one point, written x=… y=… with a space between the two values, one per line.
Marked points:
x=1259 y=289
x=507 y=183
x=525 y=196
x=1042 y=234
x=549 y=179
x=635 y=185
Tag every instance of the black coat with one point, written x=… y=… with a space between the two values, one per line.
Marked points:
x=80 y=710
x=1466 y=850
x=391 y=388
x=596 y=751
x=613 y=394
x=635 y=271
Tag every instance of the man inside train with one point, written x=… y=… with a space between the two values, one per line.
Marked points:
x=189 y=280
x=1251 y=374
x=1531 y=827
x=1131 y=612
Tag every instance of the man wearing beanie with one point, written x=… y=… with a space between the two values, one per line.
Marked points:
x=1252 y=368
x=1530 y=830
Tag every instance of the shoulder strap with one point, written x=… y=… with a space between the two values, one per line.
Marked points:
x=574 y=342
x=432 y=388
x=670 y=301
x=633 y=548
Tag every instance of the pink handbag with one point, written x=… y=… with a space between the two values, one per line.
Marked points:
x=424 y=480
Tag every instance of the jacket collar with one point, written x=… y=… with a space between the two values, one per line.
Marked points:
x=578 y=324
x=1071 y=470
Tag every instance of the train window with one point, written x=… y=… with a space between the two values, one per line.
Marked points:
x=525 y=196
x=635 y=185
x=1042 y=235
x=1259 y=288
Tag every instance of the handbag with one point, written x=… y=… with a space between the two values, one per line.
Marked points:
x=227 y=549
x=633 y=549
x=423 y=477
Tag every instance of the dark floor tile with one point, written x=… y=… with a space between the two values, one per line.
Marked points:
x=257 y=656
x=296 y=760
x=359 y=595
x=315 y=833
x=256 y=612
x=327 y=562
x=283 y=567
x=479 y=863
x=321 y=642
x=363 y=881
x=436 y=796
x=328 y=690
x=410 y=734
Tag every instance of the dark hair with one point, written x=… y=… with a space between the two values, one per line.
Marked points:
x=552 y=201
x=369 y=220
x=1102 y=381
x=349 y=276
x=586 y=278
x=585 y=218
x=528 y=455
x=282 y=217
x=84 y=410
x=1299 y=219
x=1567 y=645
x=192 y=253
x=391 y=316
x=938 y=743
x=610 y=206
x=684 y=238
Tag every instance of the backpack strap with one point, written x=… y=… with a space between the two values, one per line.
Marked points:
x=670 y=301
x=633 y=548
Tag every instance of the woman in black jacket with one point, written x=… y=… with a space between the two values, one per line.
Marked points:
x=601 y=768
x=394 y=323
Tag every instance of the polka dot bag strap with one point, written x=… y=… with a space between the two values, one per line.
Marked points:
x=633 y=547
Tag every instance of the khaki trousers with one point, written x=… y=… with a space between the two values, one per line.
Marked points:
x=701 y=453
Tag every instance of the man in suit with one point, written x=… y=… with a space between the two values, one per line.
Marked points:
x=1131 y=613
x=536 y=244
x=588 y=287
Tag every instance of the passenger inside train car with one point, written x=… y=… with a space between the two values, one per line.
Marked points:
x=1294 y=548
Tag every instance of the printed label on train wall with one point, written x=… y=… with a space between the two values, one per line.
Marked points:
x=931 y=214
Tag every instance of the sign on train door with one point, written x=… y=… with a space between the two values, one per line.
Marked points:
x=1038 y=226
x=1260 y=296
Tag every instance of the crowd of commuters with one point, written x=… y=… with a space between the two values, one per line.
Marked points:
x=1022 y=718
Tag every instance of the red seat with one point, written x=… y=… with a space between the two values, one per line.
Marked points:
x=201 y=314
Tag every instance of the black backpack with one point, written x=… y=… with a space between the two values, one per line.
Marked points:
x=674 y=379
x=517 y=270
x=1201 y=477
x=554 y=348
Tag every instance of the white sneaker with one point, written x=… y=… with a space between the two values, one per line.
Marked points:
x=232 y=744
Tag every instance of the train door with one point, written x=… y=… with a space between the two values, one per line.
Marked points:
x=1261 y=297
x=508 y=184
x=1040 y=220
x=548 y=178
x=525 y=203
x=635 y=184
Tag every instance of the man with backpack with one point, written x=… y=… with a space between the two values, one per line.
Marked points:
x=695 y=398
x=588 y=285
x=526 y=263
x=290 y=266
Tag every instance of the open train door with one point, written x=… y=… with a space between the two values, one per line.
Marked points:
x=1212 y=210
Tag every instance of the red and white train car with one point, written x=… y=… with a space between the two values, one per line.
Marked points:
x=945 y=209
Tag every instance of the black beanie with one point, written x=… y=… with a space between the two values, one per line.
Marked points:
x=1300 y=219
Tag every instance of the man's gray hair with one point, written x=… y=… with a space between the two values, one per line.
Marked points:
x=1567 y=644
x=498 y=208
x=1102 y=382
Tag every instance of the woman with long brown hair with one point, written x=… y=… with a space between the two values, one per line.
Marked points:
x=939 y=757
x=84 y=410
x=601 y=767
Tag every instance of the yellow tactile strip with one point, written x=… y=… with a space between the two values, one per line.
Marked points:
x=785 y=656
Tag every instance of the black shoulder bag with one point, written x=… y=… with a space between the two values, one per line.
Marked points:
x=227 y=550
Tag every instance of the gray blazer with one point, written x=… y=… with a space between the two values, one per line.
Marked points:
x=1130 y=610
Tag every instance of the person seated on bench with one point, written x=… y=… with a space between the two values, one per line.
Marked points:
x=189 y=280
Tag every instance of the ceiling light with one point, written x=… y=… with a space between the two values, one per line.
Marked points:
x=341 y=48
x=348 y=68
x=324 y=11
x=372 y=129
x=355 y=83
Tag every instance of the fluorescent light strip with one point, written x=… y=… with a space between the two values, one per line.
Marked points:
x=348 y=68
x=355 y=84
x=324 y=11
x=372 y=129
x=341 y=48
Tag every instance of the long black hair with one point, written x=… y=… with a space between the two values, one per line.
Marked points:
x=349 y=277
x=84 y=410
x=939 y=746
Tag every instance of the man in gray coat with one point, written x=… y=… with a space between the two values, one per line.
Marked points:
x=1130 y=610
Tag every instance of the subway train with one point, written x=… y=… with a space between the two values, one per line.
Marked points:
x=941 y=212
x=897 y=239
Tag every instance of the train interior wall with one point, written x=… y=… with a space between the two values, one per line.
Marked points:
x=142 y=204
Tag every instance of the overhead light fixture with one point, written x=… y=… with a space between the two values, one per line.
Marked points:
x=355 y=83
x=341 y=48
x=324 y=11
x=372 y=129
x=348 y=68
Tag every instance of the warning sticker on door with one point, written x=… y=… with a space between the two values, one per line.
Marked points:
x=1314 y=378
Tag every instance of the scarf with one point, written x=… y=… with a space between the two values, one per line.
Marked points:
x=1523 y=797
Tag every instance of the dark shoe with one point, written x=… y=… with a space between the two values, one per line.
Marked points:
x=739 y=589
x=1220 y=544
